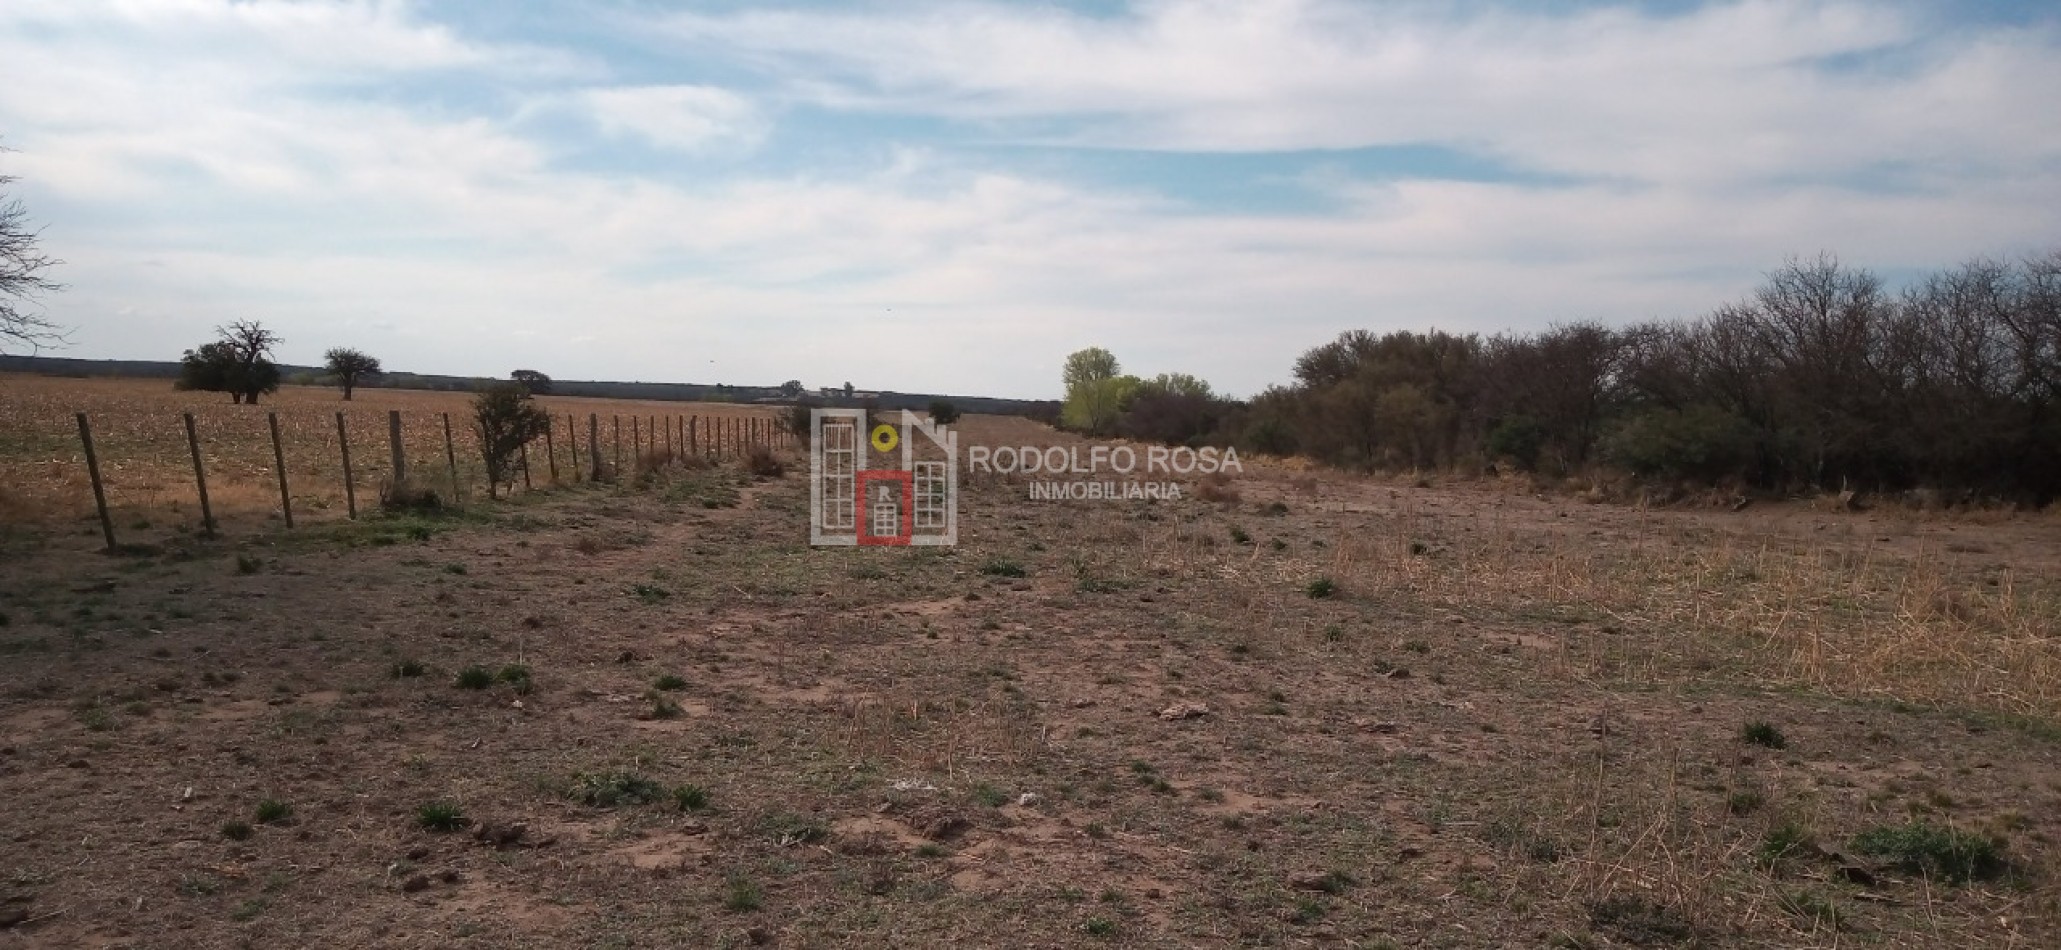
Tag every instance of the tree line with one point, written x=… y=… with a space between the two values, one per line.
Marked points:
x=1822 y=378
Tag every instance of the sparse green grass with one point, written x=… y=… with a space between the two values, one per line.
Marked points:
x=650 y=593
x=691 y=798
x=1763 y=734
x=1786 y=842
x=741 y=894
x=669 y=682
x=1944 y=853
x=611 y=789
x=272 y=811
x=409 y=669
x=475 y=677
x=516 y=675
x=441 y=816
x=1320 y=588
x=1002 y=567
x=990 y=796
x=236 y=830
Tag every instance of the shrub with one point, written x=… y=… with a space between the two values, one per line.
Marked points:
x=670 y=682
x=1518 y=439
x=272 y=810
x=409 y=495
x=475 y=677
x=1702 y=442
x=943 y=412
x=1216 y=487
x=763 y=462
x=1321 y=588
x=506 y=418
x=797 y=421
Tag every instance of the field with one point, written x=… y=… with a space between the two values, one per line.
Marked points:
x=148 y=467
x=1309 y=709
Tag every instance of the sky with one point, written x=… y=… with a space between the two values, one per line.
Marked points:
x=951 y=196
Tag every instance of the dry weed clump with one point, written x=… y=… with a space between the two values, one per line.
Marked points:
x=1216 y=488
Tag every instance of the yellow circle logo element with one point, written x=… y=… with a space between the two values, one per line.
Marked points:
x=885 y=438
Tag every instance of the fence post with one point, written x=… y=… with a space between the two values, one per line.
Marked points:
x=594 y=443
x=393 y=436
x=694 y=435
x=617 y=423
x=93 y=471
x=636 y=440
x=279 y=463
x=572 y=444
x=451 y=455
x=525 y=466
x=669 y=438
x=200 y=477
x=551 y=453
x=343 y=441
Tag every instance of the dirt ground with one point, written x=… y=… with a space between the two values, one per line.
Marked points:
x=1319 y=711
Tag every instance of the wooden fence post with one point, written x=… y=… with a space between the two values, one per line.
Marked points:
x=393 y=436
x=694 y=435
x=200 y=478
x=594 y=443
x=451 y=455
x=572 y=444
x=617 y=423
x=279 y=462
x=636 y=440
x=343 y=441
x=525 y=466
x=669 y=438
x=551 y=454
x=93 y=472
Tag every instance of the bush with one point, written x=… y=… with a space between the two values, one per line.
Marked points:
x=943 y=412
x=1518 y=439
x=1702 y=442
x=763 y=462
x=797 y=420
x=475 y=677
x=409 y=495
x=506 y=418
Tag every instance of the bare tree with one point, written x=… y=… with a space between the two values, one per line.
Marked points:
x=22 y=264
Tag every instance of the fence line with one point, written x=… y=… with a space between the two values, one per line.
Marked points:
x=129 y=472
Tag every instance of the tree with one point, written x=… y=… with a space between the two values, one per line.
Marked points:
x=21 y=279
x=347 y=367
x=1095 y=394
x=506 y=418
x=240 y=363
x=791 y=388
x=943 y=412
x=536 y=383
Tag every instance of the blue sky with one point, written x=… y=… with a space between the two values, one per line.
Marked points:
x=951 y=196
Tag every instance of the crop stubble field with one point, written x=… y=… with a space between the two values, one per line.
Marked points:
x=1317 y=710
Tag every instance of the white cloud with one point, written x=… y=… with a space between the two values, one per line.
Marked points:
x=1730 y=91
x=686 y=118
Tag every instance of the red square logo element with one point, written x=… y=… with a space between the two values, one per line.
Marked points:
x=887 y=507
